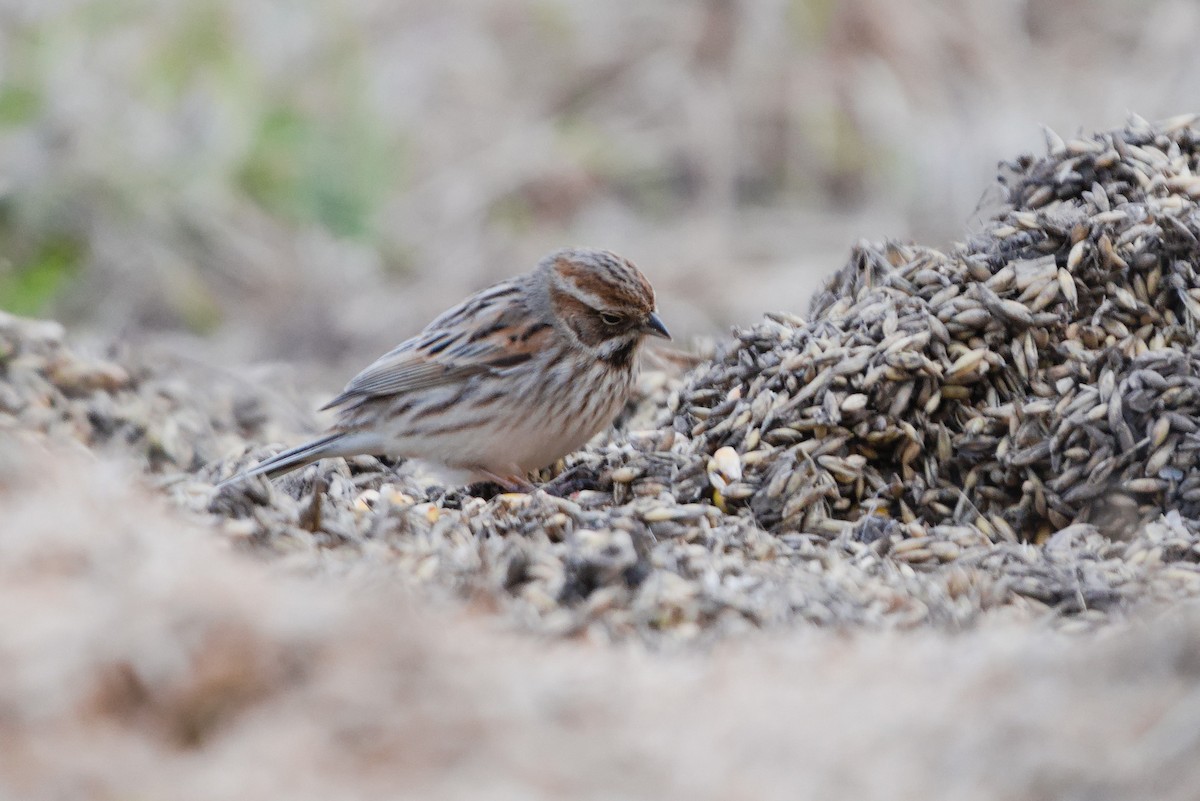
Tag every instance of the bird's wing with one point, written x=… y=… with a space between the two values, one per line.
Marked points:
x=488 y=332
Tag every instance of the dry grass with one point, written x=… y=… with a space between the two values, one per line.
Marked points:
x=300 y=181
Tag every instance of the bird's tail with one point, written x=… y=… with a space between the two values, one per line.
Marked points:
x=337 y=444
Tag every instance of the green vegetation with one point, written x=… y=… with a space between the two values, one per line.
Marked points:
x=28 y=286
x=18 y=104
x=311 y=169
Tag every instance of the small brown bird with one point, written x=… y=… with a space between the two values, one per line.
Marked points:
x=507 y=382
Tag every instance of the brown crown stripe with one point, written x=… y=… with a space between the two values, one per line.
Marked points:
x=610 y=283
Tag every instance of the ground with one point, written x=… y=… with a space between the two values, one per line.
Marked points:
x=958 y=620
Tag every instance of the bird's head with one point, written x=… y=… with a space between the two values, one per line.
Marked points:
x=602 y=300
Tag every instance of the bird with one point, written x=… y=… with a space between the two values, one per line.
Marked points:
x=507 y=382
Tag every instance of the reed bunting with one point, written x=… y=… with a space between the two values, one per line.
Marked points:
x=505 y=383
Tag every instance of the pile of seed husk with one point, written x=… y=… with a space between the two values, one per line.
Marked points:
x=1007 y=429
x=1042 y=376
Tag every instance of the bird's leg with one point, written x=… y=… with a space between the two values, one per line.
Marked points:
x=510 y=482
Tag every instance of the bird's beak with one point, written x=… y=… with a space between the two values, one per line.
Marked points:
x=654 y=325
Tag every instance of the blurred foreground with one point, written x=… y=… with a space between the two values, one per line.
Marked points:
x=142 y=666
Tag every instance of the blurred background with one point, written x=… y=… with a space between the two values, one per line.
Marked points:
x=314 y=180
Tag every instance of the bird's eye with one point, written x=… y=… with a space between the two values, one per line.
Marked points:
x=611 y=319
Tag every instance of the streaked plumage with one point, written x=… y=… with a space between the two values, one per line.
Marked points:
x=510 y=380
